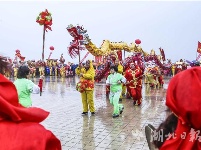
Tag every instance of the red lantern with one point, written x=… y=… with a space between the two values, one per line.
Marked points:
x=137 y=41
x=51 y=48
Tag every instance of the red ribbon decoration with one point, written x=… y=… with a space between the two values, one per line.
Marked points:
x=18 y=54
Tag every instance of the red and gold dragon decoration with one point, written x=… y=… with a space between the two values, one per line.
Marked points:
x=81 y=41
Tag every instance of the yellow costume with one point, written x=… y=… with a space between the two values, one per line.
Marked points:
x=15 y=71
x=55 y=71
x=62 y=71
x=55 y=68
x=120 y=70
x=123 y=88
x=173 y=70
x=41 y=70
x=7 y=74
x=51 y=69
x=34 y=72
x=87 y=94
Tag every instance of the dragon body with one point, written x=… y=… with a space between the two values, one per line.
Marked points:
x=109 y=49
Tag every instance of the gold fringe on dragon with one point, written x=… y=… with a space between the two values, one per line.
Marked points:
x=107 y=47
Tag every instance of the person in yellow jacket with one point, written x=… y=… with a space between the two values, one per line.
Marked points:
x=87 y=74
x=15 y=69
x=173 y=69
x=119 y=66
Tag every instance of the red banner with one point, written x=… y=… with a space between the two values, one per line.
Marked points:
x=199 y=47
x=119 y=53
x=162 y=53
x=98 y=59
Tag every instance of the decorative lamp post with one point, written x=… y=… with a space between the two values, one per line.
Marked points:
x=44 y=19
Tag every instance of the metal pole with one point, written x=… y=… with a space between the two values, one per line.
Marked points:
x=43 y=43
x=79 y=53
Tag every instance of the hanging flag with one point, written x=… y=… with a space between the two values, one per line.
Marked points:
x=98 y=59
x=162 y=53
x=199 y=47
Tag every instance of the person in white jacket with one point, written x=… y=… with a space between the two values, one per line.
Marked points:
x=115 y=80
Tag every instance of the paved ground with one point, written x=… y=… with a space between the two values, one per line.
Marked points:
x=100 y=131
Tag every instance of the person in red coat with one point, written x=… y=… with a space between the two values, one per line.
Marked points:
x=20 y=127
x=128 y=95
x=40 y=84
x=160 y=78
x=181 y=129
x=134 y=82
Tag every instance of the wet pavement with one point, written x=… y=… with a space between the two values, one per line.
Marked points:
x=100 y=131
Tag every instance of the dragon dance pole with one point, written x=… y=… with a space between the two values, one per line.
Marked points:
x=50 y=55
x=79 y=53
x=45 y=19
x=43 y=43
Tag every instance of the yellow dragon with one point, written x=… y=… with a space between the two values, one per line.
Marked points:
x=107 y=47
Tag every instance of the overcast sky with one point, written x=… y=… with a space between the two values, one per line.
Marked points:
x=174 y=26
